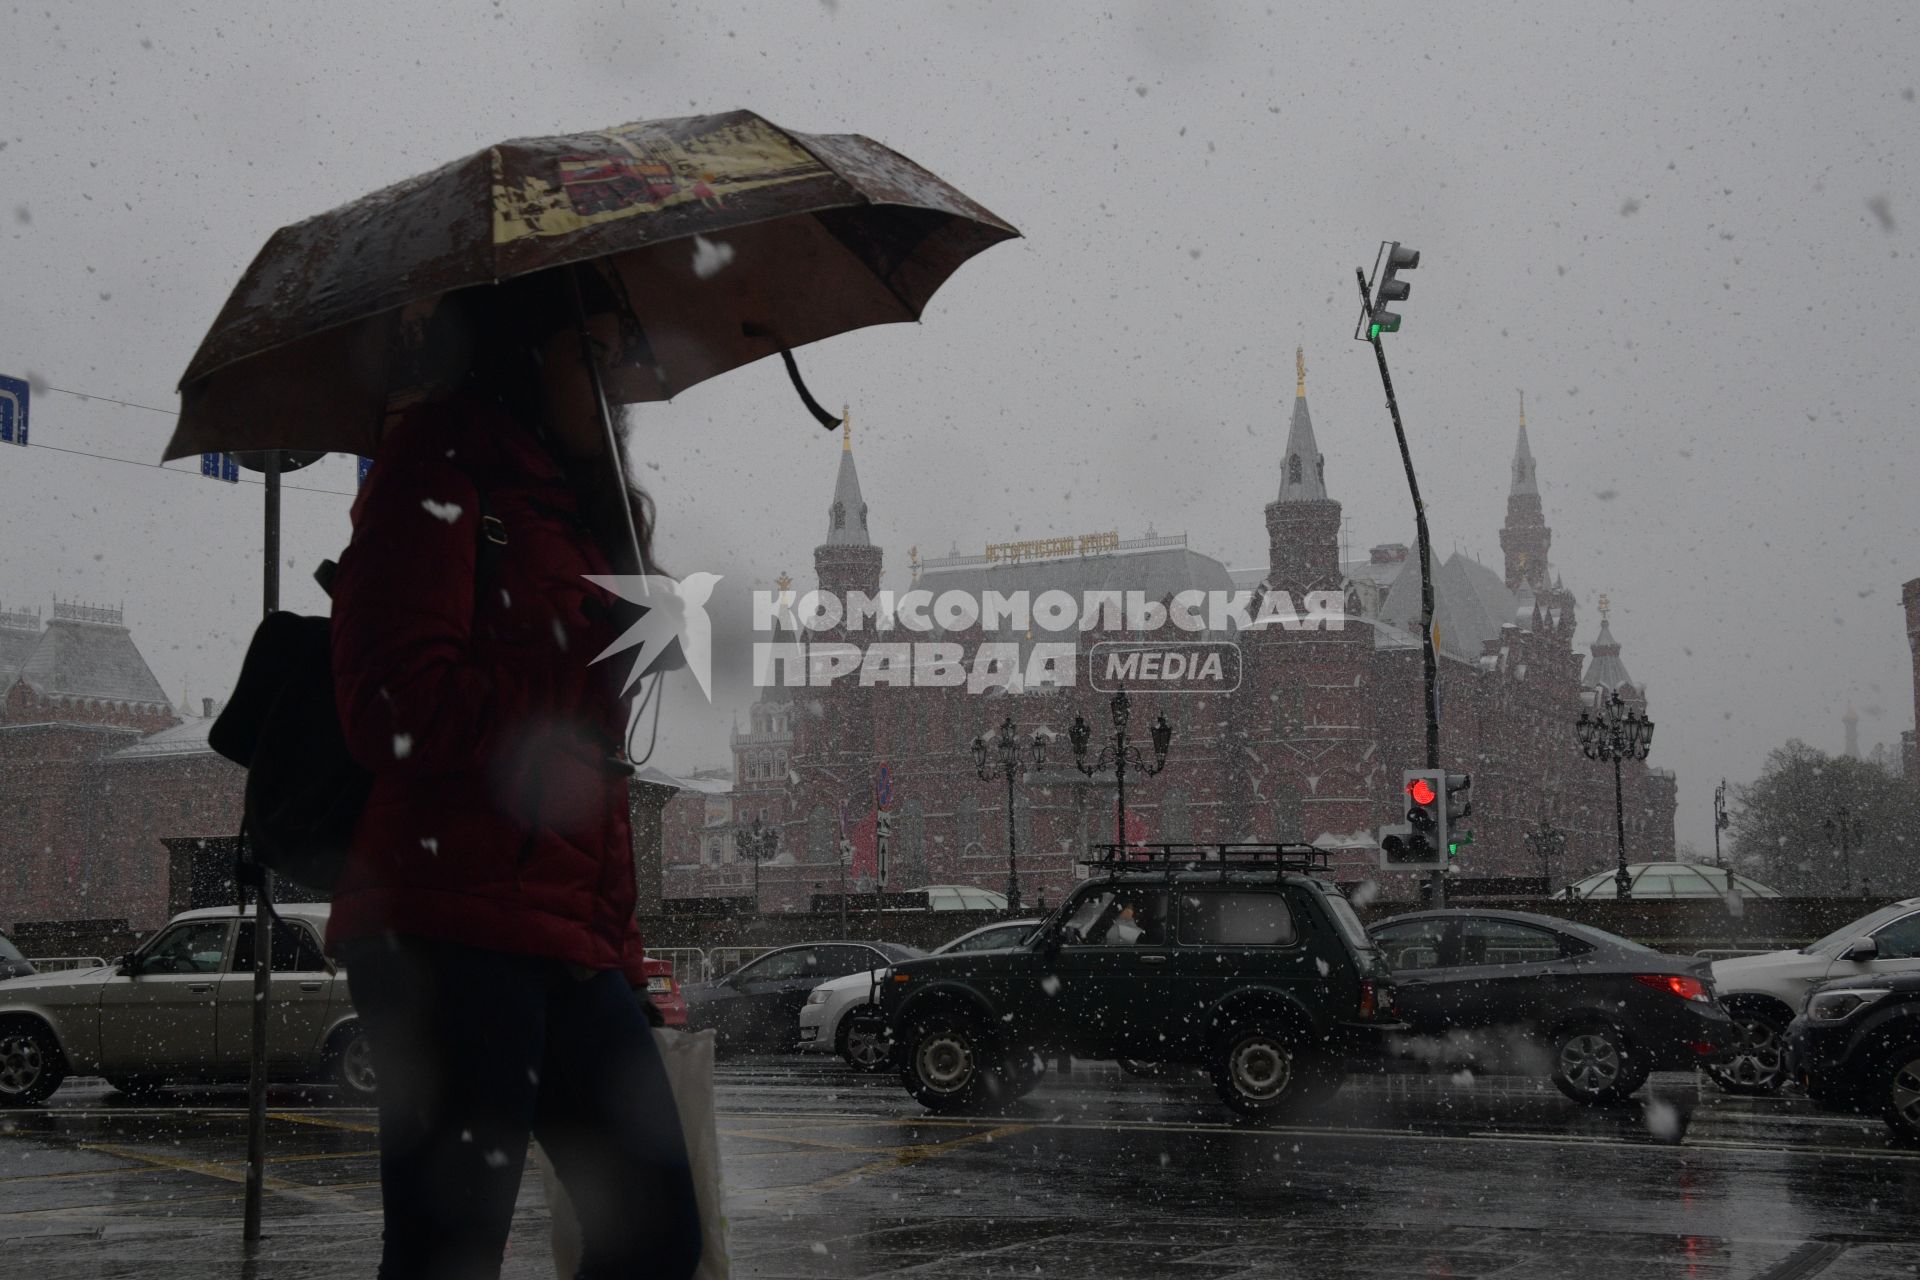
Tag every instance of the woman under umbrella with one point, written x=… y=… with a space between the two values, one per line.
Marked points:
x=486 y=911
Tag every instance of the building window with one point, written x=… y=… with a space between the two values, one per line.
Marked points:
x=1293 y=469
x=839 y=515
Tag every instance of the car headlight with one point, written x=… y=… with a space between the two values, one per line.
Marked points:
x=819 y=996
x=1838 y=1006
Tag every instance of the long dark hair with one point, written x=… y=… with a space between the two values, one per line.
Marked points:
x=493 y=335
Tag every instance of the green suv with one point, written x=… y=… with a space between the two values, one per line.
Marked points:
x=1238 y=958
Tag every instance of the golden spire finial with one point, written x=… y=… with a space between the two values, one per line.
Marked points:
x=1603 y=608
x=1523 y=406
x=784 y=583
x=1300 y=371
x=846 y=429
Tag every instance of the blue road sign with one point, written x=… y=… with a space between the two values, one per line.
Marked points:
x=366 y=467
x=220 y=466
x=14 y=394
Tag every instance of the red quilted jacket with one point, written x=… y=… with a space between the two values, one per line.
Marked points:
x=462 y=661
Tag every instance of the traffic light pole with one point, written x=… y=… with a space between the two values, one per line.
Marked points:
x=1429 y=662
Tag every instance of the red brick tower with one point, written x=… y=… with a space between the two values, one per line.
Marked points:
x=1313 y=727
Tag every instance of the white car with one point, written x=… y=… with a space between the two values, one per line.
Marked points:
x=180 y=1008
x=1764 y=993
x=840 y=1017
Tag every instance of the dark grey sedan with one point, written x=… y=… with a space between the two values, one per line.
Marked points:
x=757 y=1006
x=1510 y=989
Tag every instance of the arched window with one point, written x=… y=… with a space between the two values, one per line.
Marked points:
x=1293 y=469
x=839 y=515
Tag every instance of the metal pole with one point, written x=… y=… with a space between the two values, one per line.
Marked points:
x=1622 y=881
x=1013 y=879
x=1429 y=661
x=1120 y=791
x=262 y=906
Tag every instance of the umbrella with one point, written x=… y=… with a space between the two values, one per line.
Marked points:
x=734 y=240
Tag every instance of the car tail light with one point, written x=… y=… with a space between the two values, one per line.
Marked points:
x=1687 y=988
x=1369 y=998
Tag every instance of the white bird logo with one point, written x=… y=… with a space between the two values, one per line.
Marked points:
x=675 y=609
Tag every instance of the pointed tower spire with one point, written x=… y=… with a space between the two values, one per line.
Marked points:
x=1606 y=671
x=1851 y=721
x=1303 y=475
x=847 y=516
x=1525 y=538
x=1523 y=481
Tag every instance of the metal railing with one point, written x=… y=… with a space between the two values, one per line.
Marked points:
x=692 y=964
x=724 y=960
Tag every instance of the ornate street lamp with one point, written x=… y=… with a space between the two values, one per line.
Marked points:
x=757 y=844
x=1610 y=730
x=1119 y=756
x=1842 y=824
x=1720 y=821
x=1008 y=756
x=1547 y=842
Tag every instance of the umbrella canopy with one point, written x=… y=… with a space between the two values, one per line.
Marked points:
x=799 y=237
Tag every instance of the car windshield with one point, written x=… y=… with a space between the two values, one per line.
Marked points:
x=1832 y=943
x=8 y=951
x=895 y=952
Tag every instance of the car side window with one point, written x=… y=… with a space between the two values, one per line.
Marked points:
x=838 y=962
x=1506 y=942
x=796 y=962
x=1413 y=944
x=198 y=947
x=294 y=950
x=998 y=939
x=1899 y=940
x=1119 y=917
x=1236 y=920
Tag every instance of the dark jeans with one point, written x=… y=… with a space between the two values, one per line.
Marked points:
x=474 y=1051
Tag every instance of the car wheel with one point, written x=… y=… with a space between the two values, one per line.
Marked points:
x=1259 y=1071
x=136 y=1087
x=31 y=1066
x=1758 y=1064
x=1594 y=1064
x=944 y=1060
x=1900 y=1093
x=864 y=1042
x=351 y=1065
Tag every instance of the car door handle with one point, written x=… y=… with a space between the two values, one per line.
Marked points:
x=311 y=986
x=199 y=988
x=1152 y=959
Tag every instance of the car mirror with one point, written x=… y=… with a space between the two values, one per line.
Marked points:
x=123 y=965
x=1861 y=949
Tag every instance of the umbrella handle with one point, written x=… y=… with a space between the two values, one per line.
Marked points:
x=820 y=415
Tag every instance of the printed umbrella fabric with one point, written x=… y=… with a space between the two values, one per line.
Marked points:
x=802 y=236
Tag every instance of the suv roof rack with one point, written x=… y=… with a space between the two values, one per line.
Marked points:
x=1223 y=857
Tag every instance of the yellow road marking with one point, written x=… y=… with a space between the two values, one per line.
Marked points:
x=323 y=1122
x=899 y=1159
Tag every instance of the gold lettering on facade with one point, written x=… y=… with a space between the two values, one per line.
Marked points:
x=1047 y=548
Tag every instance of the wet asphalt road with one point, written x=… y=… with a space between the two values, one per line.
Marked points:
x=1099 y=1175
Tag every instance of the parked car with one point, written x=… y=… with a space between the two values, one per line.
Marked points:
x=1856 y=1047
x=1764 y=993
x=12 y=963
x=757 y=1006
x=1498 y=988
x=843 y=1016
x=180 y=1008
x=663 y=990
x=1240 y=960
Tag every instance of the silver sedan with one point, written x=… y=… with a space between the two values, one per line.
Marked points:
x=180 y=1009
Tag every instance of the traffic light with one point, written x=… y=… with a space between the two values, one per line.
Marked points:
x=1459 y=802
x=1389 y=288
x=1456 y=841
x=1419 y=843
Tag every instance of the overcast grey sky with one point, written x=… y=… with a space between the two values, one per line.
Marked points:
x=1686 y=229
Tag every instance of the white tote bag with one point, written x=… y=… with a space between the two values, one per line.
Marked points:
x=688 y=1056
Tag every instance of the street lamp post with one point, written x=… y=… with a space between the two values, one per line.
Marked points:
x=1549 y=842
x=757 y=844
x=1720 y=820
x=1841 y=824
x=1610 y=730
x=1119 y=756
x=1008 y=756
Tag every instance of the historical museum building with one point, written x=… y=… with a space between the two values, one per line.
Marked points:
x=1308 y=747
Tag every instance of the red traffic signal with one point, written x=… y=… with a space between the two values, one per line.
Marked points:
x=1421 y=791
